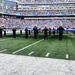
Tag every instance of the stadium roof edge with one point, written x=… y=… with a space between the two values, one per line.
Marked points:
x=51 y=15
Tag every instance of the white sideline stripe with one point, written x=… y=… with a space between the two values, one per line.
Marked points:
x=5 y=39
x=3 y=50
x=31 y=53
x=27 y=46
x=47 y=54
x=67 y=56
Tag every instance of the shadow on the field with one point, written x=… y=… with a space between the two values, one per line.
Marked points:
x=63 y=37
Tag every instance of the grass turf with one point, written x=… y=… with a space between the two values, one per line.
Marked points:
x=57 y=49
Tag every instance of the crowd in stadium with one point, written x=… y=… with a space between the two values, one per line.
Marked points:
x=45 y=1
x=23 y=23
x=38 y=12
x=43 y=12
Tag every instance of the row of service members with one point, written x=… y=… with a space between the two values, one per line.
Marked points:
x=60 y=29
x=36 y=32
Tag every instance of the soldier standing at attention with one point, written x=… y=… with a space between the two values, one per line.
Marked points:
x=4 y=31
x=20 y=32
x=1 y=32
x=35 y=32
x=60 y=30
x=45 y=33
x=14 y=32
x=26 y=32
x=49 y=31
x=53 y=31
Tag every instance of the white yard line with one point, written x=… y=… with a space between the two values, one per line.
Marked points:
x=31 y=53
x=3 y=50
x=27 y=46
x=67 y=56
x=47 y=54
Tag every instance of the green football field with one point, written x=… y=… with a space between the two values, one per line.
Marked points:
x=49 y=48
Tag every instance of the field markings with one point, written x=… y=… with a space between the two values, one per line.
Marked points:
x=47 y=54
x=3 y=50
x=31 y=53
x=27 y=46
x=67 y=56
